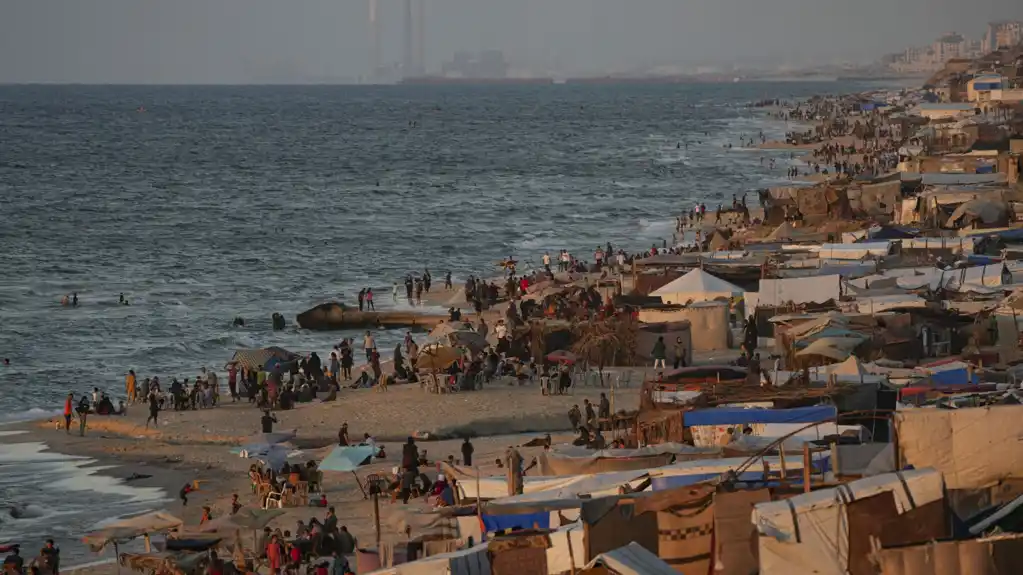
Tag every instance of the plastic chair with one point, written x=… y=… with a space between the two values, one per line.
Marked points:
x=273 y=499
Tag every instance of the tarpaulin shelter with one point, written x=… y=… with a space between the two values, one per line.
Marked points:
x=986 y=212
x=709 y=318
x=994 y=555
x=130 y=528
x=810 y=533
x=647 y=334
x=972 y=447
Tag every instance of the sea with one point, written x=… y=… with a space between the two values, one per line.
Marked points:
x=201 y=204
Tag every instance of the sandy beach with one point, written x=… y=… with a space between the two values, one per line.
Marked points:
x=195 y=445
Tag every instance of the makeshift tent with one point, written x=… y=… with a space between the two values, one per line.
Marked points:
x=817 y=289
x=697 y=285
x=857 y=251
x=972 y=447
x=783 y=232
x=710 y=319
x=809 y=533
x=130 y=528
x=631 y=559
x=987 y=212
x=434 y=357
x=177 y=562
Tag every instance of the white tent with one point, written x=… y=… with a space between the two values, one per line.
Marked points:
x=809 y=533
x=697 y=285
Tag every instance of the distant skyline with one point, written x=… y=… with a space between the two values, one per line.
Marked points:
x=253 y=41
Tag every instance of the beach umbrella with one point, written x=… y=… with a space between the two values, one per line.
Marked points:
x=468 y=338
x=247 y=518
x=437 y=357
x=270 y=438
x=562 y=356
x=348 y=458
x=274 y=456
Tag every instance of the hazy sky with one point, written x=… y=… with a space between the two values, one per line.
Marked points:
x=231 y=41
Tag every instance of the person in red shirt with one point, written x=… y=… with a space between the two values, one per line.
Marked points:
x=296 y=557
x=69 y=405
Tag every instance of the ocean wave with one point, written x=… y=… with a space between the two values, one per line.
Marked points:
x=31 y=414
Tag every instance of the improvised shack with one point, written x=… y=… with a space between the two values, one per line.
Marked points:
x=709 y=319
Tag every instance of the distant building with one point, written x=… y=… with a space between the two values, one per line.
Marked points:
x=951 y=45
x=1004 y=34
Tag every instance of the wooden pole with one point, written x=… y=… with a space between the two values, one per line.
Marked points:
x=806 y=467
x=834 y=459
x=784 y=472
x=571 y=553
x=479 y=504
x=376 y=517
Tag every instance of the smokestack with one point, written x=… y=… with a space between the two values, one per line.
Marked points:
x=374 y=32
x=421 y=37
x=408 y=64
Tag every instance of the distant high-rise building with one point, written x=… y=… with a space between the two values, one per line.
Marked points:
x=420 y=34
x=408 y=63
x=374 y=32
x=1003 y=34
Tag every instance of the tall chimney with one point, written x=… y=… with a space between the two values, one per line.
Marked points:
x=374 y=31
x=421 y=37
x=408 y=63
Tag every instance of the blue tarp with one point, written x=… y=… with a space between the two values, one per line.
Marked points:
x=347 y=458
x=954 y=377
x=740 y=416
x=541 y=520
x=674 y=481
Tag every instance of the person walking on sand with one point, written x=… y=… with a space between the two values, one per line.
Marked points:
x=467 y=450
x=447 y=280
x=369 y=299
x=68 y=411
x=394 y=292
x=154 y=409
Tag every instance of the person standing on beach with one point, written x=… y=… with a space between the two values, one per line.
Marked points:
x=369 y=344
x=129 y=386
x=68 y=411
x=335 y=367
x=347 y=358
x=362 y=298
x=83 y=412
x=154 y=409
x=232 y=381
x=467 y=450
x=369 y=299
x=419 y=291
x=394 y=292
x=447 y=280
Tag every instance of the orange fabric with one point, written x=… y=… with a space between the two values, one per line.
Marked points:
x=67 y=406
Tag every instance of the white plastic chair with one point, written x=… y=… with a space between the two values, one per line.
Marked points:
x=274 y=499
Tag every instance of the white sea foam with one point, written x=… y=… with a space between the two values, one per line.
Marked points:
x=27 y=415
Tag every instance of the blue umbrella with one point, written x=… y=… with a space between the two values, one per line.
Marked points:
x=348 y=458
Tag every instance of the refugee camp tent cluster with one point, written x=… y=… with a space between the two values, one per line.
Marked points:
x=946 y=486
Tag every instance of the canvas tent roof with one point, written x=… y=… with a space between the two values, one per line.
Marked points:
x=633 y=559
x=698 y=285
